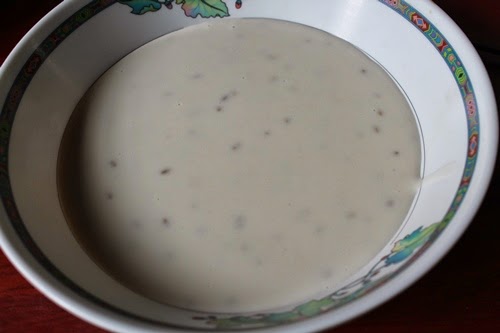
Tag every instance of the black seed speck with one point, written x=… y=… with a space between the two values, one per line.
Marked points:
x=244 y=247
x=380 y=112
x=236 y=146
x=376 y=129
x=267 y=133
x=197 y=76
x=113 y=163
x=287 y=120
x=271 y=56
x=109 y=196
x=165 y=171
x=219 y=108
x=308 y=40
x=226 y=97
x=389 y=203
x=363 y=71
x=350 y=215
x=277 y=236
x=395 y=153
x=319 y=229
x=165 y=221
x=239 y=222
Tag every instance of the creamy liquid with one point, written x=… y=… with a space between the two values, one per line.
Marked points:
x=239 y=165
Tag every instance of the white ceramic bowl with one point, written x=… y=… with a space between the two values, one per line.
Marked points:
x=52 y=67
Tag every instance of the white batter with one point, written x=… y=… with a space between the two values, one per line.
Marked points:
x=239 y=165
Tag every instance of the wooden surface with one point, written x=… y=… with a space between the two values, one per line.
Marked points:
x=461 y=294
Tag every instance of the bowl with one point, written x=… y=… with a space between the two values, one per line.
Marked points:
x=58 y=60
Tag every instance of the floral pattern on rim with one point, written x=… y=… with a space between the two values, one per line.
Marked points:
x=404 y=251
x=192 y=8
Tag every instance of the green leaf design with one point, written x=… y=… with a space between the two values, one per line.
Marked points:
x=204 y=8
x=314 y=307
x=405 y=247
x=308 y=309
x=140 y=7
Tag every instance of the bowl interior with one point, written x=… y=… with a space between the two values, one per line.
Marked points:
x=72 y=56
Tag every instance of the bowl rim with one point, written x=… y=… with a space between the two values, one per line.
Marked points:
x=86 y=310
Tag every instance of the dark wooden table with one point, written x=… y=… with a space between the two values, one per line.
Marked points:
x=461 y=294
